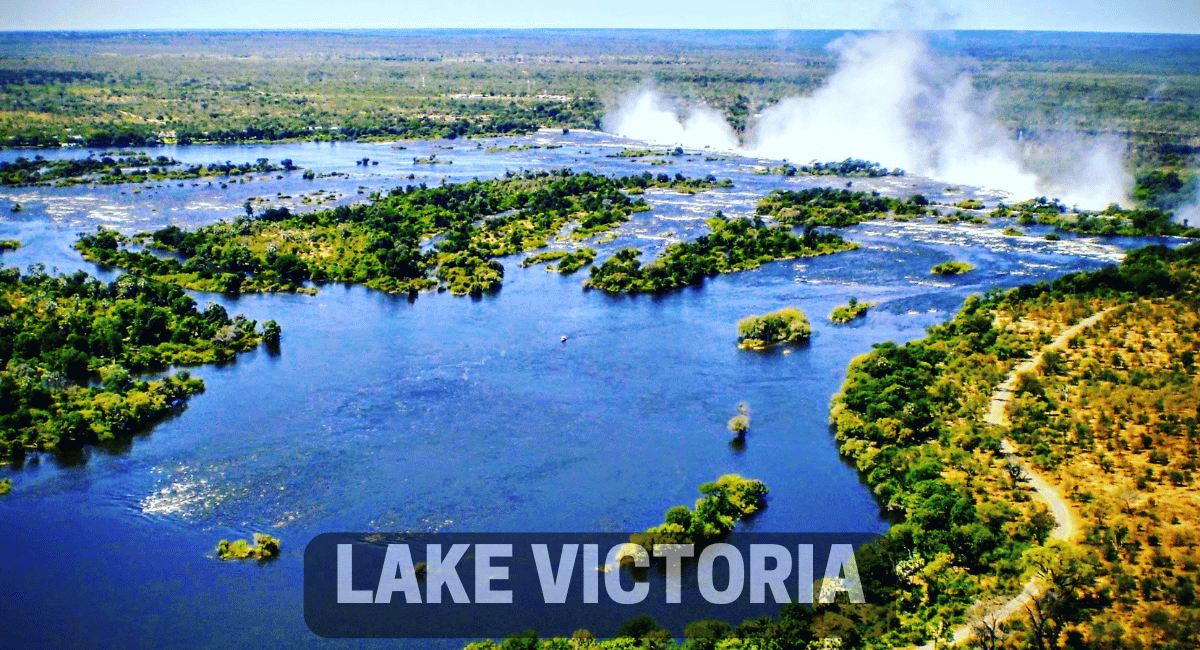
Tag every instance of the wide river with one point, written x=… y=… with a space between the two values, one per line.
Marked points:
x=453 y=414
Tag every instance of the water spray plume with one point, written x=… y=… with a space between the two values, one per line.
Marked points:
x=647 y=115
x=892 y=101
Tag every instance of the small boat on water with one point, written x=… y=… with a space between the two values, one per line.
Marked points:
x=564 y=338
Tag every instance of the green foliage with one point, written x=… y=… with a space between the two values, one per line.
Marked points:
x=59 y=334
x=726 y=501
x=576 y=260
x=271 y=332
x=380 y=244
x=9 y=245
x=952 y=268
x=788 y=325
x=110 y=170
x=730 y=246
x=908 y=418
x=851 y=310
x=848 y=167
x=740 y=423
x=825 y=206
x=264 y=548
x=5 y=486
x=639 y=627
x=1163 y=190
x=1113 y=220
x=548 y=256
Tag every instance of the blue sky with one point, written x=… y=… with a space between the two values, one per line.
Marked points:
x=1176 y=16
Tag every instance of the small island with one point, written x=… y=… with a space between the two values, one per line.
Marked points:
x=740 y=423
x=9 y=245
x=265 y=548
x=850 y=311
x=952 y=268
x=788 y=325
x=731 y=245
x=568 y=262
x=726 y=501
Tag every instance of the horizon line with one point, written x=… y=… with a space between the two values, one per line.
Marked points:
x=430 y=28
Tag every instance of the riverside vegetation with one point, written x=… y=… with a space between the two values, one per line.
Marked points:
x=383 y=244
x=731 y=245
x=70 y=347
x=1113 y=416
x=1113 y=220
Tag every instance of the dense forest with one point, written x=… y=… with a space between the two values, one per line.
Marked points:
x=129 y=89
x=72 y=348
x=385 y=244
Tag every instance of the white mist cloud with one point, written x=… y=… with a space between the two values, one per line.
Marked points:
x=893 y=102
x=863 y=110
x=647 y=115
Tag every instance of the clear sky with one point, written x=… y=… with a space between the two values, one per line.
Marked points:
x=1176 y=16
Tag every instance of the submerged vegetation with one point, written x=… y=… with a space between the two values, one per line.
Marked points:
x=852 y=310
x=70 y=345
x=952 y=268
x=788 y=325
x=740 y=423
x=385 y=244
x=731 y=245
x=264 y=548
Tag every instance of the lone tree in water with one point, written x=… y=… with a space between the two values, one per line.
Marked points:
x=740 y=423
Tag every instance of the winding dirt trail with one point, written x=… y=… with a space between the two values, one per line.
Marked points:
x=1066 y=522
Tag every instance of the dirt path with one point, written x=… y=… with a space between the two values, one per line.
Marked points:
x=1066 y=522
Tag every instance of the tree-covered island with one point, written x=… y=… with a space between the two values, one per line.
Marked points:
x=824 y=206
x=70 y=348
x=124 y=167
x=952 y=267
x=853 y=309
x=726 y=501
x=731 y=245
x=788 y=325
x=413 y=238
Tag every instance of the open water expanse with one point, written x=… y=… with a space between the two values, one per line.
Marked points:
x=453 y=414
